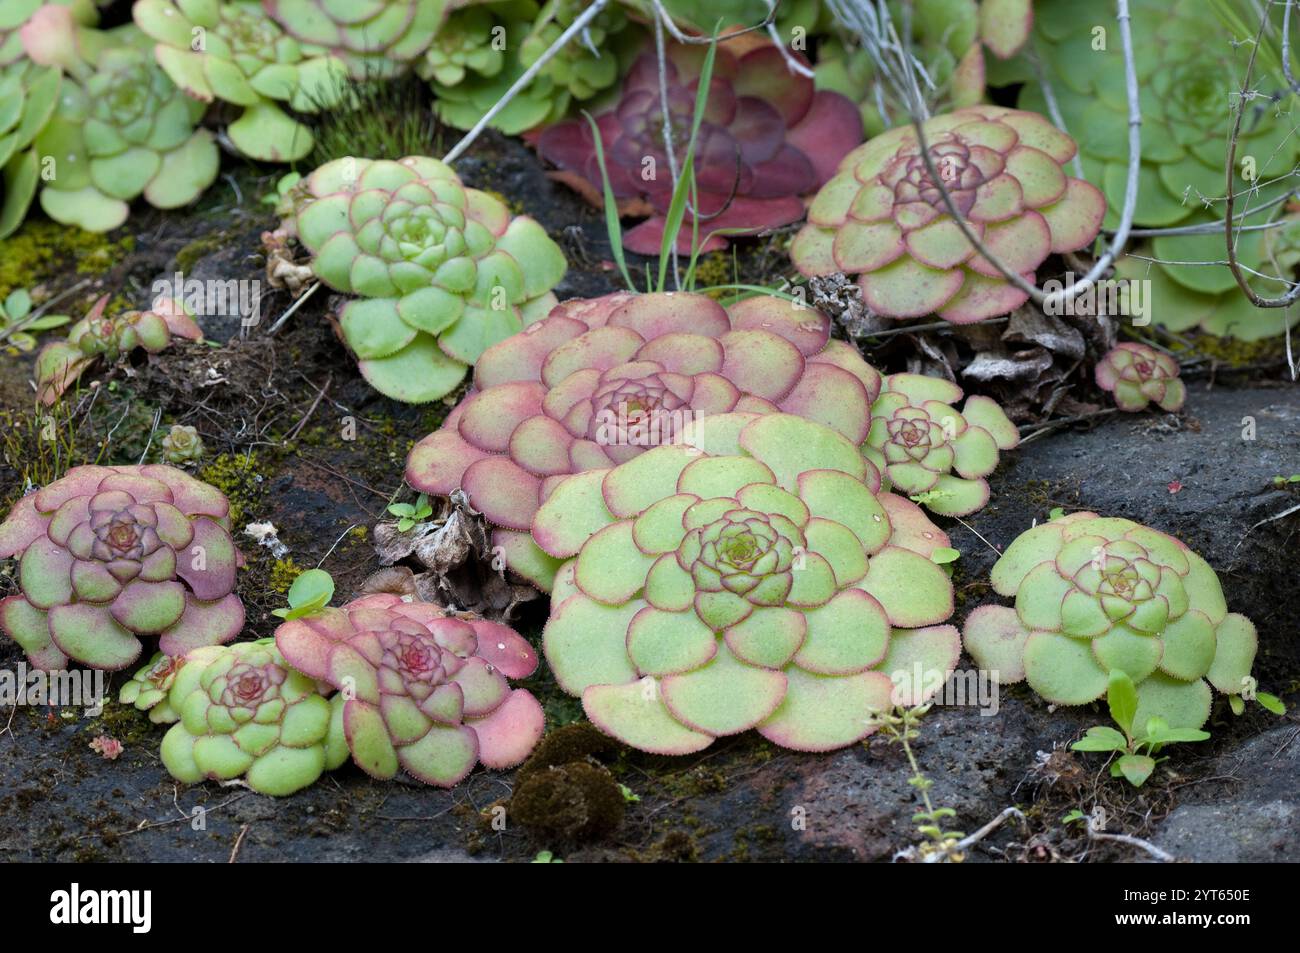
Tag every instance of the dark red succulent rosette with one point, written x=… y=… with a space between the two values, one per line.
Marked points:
x=767 y=137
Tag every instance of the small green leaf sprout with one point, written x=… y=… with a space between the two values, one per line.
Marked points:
x=310 y=593
x=409 y=514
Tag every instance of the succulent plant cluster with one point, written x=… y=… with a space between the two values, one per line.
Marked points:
x=1185 y=128
x=441 y=272
x=927 y=449
x=244 y=713
x=767 y=137
x=149 y=689
x=1095 y=594
x=61 y=363
x=419 y=689
x=752 y=579
x=108 y=555
x=374 y=38
x=948 y=40
x=483 y=48
x=883 y=216
x=1138 y=375
x=122 y=129
x=600 y=381
x=233 y=51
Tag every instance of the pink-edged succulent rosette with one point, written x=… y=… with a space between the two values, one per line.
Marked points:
x=419 y=689
x=1137 y=375
x=602 y=380
x=110 y=554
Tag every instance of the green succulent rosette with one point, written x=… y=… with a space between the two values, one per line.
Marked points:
x=925 y=447
x=484 y=48
x=374 y=38
x=149 y=689
x=752 y=577
x=235 y=52
x=441 y=271
x=1096 y=594
x=121 y=130
x=244 y=713
x=1186 y=86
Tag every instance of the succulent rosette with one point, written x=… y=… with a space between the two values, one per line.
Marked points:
x=441 y=271
x=234 y=52
x=926 y=448
x=245 y=714
x=767 y=137
x=1137 y=375
x=111 y=554
x=148 y=689
x=750 y=578
x=883 y=218
x=182 y=444
x=1095 y=594
x=420 y=690
x=375 y=38
x=483 y=49
x=602 y=380
x=61 y=363
x=121 y=130
x=1185 y=130
x=944 y=40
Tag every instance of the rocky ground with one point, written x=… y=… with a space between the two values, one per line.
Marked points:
x=273 y=411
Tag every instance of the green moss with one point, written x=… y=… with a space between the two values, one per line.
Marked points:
x=569 y=802
x=716 y=268
x=42 y=249
x=238 y=476
x=197 y=250
x=283 y=573
x=1236 y=353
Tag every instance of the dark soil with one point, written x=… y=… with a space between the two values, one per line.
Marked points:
x=274 y=411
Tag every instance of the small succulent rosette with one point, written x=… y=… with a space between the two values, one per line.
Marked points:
x=441 y=272
x=182 y=444
x=768 y=137
x=245 y=714
x=751 y=578
x=148 y=689
x=419 y=689
x=374 y=38
x=108 y=555
x=61 y=363
x=883 y=216
x=1137 y=375
x=927 y=449
x=122 y=128
x=1095 y=594
x=245 y=59
x=602 y=380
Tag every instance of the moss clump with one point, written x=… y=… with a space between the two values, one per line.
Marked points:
x=570 y=802
x=41 y=249
x=1236 y=353
x=197 y=250
x=237 y=476
x=283 y=573
x=562 y=793
x=715 y=268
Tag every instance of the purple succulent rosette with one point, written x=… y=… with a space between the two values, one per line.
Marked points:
x=1137 y=375
x=419 y=690
x=109 y=554
x=767 y=138
x=926 y=448
x=602 y=380
x=1094 y=594
x=755 y=579
x=883 y=218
